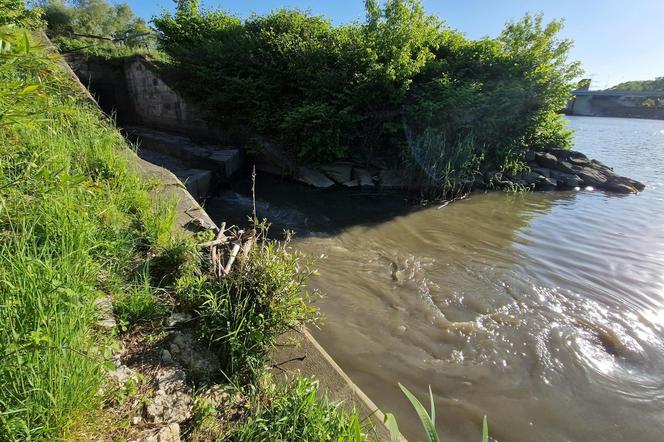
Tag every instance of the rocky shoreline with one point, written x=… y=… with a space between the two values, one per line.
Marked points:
x=560 y=169
x=553 y=169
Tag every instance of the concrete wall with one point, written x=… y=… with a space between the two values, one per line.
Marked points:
x=133 y=92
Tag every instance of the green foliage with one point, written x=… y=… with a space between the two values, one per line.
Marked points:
x=16 y=13
x=138 y=303
x=295 y=413
x=656 y=85
x=97 y=18
x=74 y=220
x=428 y=420
x=381 y=87
x=244 y=312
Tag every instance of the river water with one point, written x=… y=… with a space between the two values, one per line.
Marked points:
x=543 y=311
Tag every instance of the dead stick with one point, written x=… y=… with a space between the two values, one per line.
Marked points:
x=236 y=248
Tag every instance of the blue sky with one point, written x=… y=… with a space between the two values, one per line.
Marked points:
x=616 y=40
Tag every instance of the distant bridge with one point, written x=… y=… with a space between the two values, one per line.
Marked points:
x=616 y=103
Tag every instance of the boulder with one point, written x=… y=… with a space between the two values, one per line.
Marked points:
x=621 y=184
x=579 y=161
x=363 y=177
x=185 y=349
x=565 y=180
x=176 y=319
x=546 y=159
x=338 y=172
x=564 y=154
x=529 y=156
x=566 y=167
x=592 y=177
x=270 y=158
x=169 y=433
x=542 y=171
x=313 y=178
x=392 y=179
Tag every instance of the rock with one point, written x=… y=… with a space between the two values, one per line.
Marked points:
x=104 y=308
x=166 y=356
x=564 y=154
x=199 y=224
x=173 y=399
x=579 y=161
x=619 y=187
x=566 y=180
x=548 y=184
x=197 y=358
x=531 y=178
x=313 y=178
x=169 y=433
x=122 y=374
x=178 y=318
x=598 y=164
x=542 y=171
x=592 y=177
x=351 y=183
x=566 y=167
x=270 y=158
x=392 y=179
x=338 y=172
x=363 y=178
x=529 y=156
x=621 y=184
x=545 y=159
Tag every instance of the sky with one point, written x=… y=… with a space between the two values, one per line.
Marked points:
x=616 y=40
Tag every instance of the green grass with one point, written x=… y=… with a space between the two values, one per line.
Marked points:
x=74 y=222
x=295 y=412
x=78 y=223
x=241 y=315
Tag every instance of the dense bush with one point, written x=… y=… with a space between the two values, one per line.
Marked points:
x=374 y=88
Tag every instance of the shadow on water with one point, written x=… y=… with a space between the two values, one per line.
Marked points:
x=306 y=210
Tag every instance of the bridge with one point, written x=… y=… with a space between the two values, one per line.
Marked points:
x=629 y=104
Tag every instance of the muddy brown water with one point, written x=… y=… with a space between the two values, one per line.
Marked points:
x=543 y=311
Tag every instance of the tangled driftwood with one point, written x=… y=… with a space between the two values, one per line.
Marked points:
x=226 y=247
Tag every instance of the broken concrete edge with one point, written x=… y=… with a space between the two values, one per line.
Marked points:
x=319 y=364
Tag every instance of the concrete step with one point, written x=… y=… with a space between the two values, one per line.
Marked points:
x=199 y=182
x=224 y=162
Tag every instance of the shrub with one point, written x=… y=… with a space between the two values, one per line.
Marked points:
x=244 y=312
x=374 y=88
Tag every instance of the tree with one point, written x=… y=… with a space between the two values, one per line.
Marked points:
x=96 y=18
x=15 y=12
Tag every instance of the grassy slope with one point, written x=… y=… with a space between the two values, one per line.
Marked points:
x=77 y=224
x=73 y=221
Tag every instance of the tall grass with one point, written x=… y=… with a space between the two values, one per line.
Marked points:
x=74 y=219
x=242 y=314
x=295 y=413
x=446 y=167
